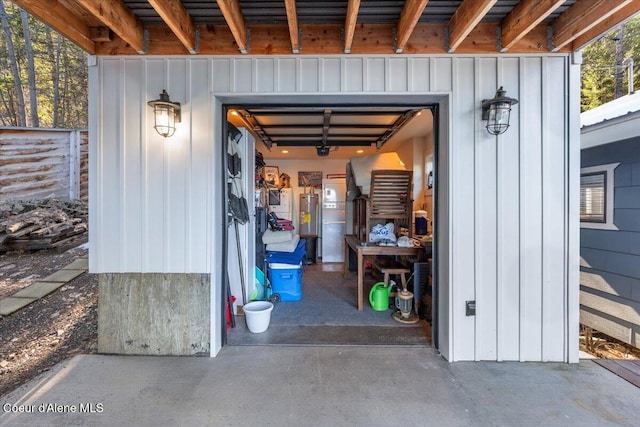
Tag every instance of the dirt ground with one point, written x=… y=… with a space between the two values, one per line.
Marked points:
x=50 y=330
x=64 y=323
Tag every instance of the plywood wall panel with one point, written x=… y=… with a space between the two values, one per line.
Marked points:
x=265 y=79
x=199 y=182
x=530 y=250
x=374 y=74
x=286 y=75
x=419 y=74
x=353 y=71
x=508 y=220
x=485 y=207
x=131 y=177
x=554 y=190
x=463 y=193
x=155 y=180
x=221 y=74
x=308 y=75
x=110 y=158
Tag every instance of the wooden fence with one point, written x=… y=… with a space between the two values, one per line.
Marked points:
x=40 y=163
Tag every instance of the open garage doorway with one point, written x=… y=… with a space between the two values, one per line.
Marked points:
x=296 y=151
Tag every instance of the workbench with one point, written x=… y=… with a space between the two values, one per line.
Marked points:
x=363 y=249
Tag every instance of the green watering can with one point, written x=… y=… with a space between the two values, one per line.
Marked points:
x=379 y=296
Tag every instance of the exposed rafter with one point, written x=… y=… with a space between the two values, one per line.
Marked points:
x=292 y=19
x=467 y=16
x=117 y=16
x=411 y=13
x=178 y=20
x=350 y=24
x=618 y=18
x=58 y=17
x=580 y=18
x=123 y=27
x=525 y=17
x=235 y=20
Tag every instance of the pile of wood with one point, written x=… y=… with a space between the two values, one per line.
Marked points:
x=44 y=224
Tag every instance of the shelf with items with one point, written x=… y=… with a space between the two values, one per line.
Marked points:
x=389 y=201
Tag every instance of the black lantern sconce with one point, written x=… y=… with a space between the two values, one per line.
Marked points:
x=497 y=112
x=166 y=114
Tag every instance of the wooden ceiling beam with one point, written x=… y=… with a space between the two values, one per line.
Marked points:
x=523 y=18
x=292 y=19
x=327 y=39
x=350 y=24
x=117 y=16
x=618 y=18
x=235 y=20
x=178 y=20
x=580 y=18
x=57 y=16
x=411 y=13
x=467 y=16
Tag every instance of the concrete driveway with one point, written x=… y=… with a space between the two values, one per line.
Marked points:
x=321 y=386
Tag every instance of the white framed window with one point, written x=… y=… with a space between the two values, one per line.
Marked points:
x=596 y=197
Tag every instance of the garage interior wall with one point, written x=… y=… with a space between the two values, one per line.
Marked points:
x=510 y=235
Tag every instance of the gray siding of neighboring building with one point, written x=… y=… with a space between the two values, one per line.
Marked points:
x=610 y=259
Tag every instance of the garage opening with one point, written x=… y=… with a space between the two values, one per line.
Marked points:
x=340 y=231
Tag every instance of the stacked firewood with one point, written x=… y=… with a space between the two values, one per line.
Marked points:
x=43 y=224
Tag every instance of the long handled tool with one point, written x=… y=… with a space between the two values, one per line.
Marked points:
x=230 y=303
x=240 y=263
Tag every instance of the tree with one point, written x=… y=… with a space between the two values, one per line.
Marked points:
x=31 y=69
x=20 y=117
x=604 y=75
x=54 y=68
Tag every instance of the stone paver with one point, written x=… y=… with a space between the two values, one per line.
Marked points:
x=79 y=264
x=63 y=275
x=10 y=304
x=38 y=290
x=43 y=287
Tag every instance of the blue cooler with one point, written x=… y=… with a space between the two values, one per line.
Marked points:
x=286 y=280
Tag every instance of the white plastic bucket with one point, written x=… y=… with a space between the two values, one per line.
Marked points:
x=258 y=315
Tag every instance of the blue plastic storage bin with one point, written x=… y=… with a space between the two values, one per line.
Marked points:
x=286 y=280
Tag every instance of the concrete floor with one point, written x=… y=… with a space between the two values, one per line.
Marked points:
x=323 y=386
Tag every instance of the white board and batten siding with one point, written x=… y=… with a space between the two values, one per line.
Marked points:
x=506 y=237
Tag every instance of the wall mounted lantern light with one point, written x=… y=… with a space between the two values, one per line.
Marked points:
x=497 y=111
x=166 y=113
